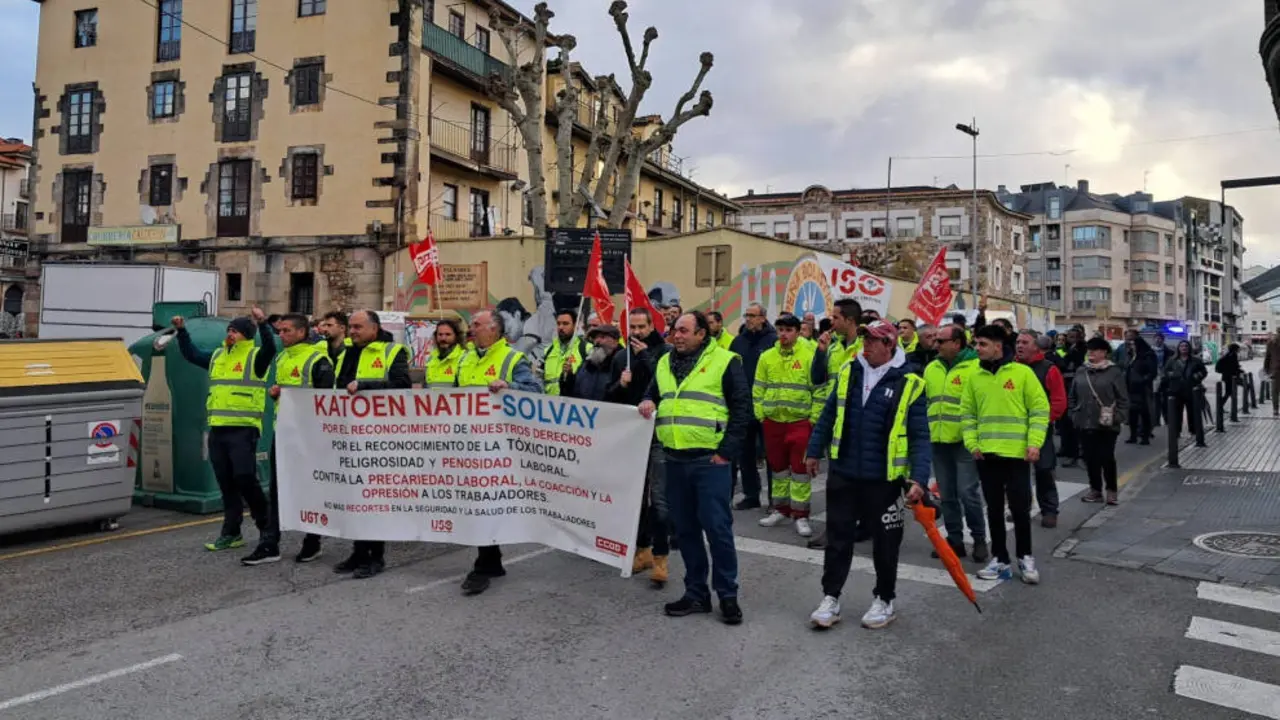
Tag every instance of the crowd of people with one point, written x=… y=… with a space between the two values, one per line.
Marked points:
x=888 y=407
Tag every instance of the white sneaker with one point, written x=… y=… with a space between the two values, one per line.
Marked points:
x=880 y=614
x=1027 y=568
x=774 y=519
x=802 y=527
x=827 y=614
x=996 y=570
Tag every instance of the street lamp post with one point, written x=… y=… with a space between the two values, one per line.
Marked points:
x=972 y=131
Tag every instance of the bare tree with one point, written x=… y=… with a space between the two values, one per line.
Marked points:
x=617 y=153
x=520 y=94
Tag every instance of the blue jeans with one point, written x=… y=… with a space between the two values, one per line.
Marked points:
x=961 y=492
x=698 y=501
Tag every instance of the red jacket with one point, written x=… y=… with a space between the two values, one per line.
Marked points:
x=1056 y=388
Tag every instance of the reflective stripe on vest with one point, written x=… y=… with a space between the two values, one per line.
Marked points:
x=945 y=387
x=237 y=396
x=376 y=359
x=293 y=367
x=1003 y=412
x=839 y=352
x=692 y=414
x=498 y=363
x=557 y=357
x=442 y=371
x=898 y=457
x=782 y=391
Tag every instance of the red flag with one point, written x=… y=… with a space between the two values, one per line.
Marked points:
x=933 y=295
x=595 y=287
x=426 y=260
x=638 y=298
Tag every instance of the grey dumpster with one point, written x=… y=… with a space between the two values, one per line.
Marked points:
x=69 y=420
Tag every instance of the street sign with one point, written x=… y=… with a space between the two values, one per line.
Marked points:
x=569 y=249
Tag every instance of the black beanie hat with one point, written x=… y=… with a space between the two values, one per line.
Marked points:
x=244 y=326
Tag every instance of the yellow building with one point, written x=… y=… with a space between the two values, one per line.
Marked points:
x=292 y=145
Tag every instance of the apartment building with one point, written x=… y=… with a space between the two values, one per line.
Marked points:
x=1103 y=261
x=667 y=201
x=898 y=231
x=292 y=145
x=1214 y=260
x=1259 y=319
x=276 y=141
x=15 y=217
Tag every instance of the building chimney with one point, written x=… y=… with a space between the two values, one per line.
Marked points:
x=1002 y=189
x=1082 y=186
x=751 y=191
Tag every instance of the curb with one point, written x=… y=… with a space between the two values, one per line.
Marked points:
x=1138 y=478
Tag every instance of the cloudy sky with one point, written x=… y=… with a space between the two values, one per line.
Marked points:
x=824 y=91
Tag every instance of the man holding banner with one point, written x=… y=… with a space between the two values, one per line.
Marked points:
x=702 y=402
x=373 y=362
x=492 y=363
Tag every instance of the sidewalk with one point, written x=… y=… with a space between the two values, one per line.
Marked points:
x=1216 y=518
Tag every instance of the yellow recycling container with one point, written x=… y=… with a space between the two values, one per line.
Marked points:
x=69 y=420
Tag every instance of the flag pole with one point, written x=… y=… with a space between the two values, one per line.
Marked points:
x=626 y=302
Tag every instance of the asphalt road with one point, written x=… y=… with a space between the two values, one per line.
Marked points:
x=152 y=626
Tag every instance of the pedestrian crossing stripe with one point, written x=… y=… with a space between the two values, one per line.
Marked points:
x=1222 y=689
x=1261 y=699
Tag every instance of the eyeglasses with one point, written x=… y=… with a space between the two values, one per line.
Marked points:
x=751 y=315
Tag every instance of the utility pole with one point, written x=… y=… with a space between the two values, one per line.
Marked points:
x=972 y=131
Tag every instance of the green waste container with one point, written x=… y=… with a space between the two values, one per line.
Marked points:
x=174 y=470
x=68 y=411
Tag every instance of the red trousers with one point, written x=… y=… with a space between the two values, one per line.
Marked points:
x=785 y=444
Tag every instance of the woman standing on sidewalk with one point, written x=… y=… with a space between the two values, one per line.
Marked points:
x=1099 y=404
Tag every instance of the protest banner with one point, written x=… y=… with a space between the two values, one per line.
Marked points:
x=464 y=466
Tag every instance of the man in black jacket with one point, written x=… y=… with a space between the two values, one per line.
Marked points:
x=367 y=335
x=1072 y=359
x=697 y=460
x=233 y=438
x=756 y=336
x=1139 y=365
x=653 y=539
x=600 y=370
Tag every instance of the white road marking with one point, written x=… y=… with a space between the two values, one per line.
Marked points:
x=933 y=576
x=1232 y=635
x=458 y=578
x=1229 y=691
x=1256 y=599
x=86 y=682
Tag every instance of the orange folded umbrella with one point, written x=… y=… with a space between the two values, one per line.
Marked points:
x=926 y=512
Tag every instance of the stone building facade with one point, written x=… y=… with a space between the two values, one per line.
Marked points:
x=899 y=231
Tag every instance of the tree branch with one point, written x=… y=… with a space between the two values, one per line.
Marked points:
x=681 y=116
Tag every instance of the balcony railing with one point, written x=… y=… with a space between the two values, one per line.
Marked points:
x=464 y=142
x=12 y=222
x=667 y=161
x=455 y=51
x=1150 y=308
x=1091 y=273
x=1090 y=306
x=1053 y=275
x=1053 y=245
x=587 y=112
x=1145 y=277
x=447 y=228
x=24 y=188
